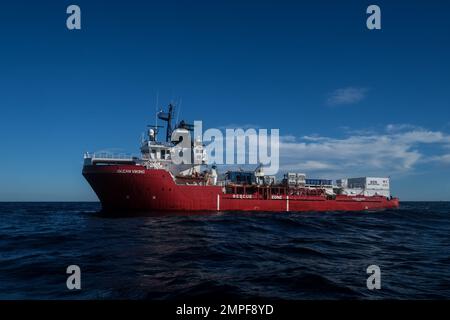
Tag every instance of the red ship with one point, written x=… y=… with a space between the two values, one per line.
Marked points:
x=153 y=183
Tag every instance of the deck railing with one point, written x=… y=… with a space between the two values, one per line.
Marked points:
x=109 y=155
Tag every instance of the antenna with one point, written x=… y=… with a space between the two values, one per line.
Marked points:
x=178 y=111
x=156 y=108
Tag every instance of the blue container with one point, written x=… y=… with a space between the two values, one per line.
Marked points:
x=318 y=182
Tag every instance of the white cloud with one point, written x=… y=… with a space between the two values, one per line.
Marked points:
x=443 y=159
x=235 y=126
x=310 y=165
x=384 y=153
x=396 y=149
x=348 y=95
x=395 y=127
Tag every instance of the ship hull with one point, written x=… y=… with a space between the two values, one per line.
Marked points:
x=123 y=188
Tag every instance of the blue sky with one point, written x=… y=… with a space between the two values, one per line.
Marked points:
x=347 y=101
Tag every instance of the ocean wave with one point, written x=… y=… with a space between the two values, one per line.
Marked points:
x=316 y=255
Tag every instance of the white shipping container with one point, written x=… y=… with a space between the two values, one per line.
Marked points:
x=374 y=183
x=377 y=183
x=342 y=183
x=295 y=179
x=356 y=183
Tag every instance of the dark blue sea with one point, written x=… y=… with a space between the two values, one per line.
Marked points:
x=224 y=255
